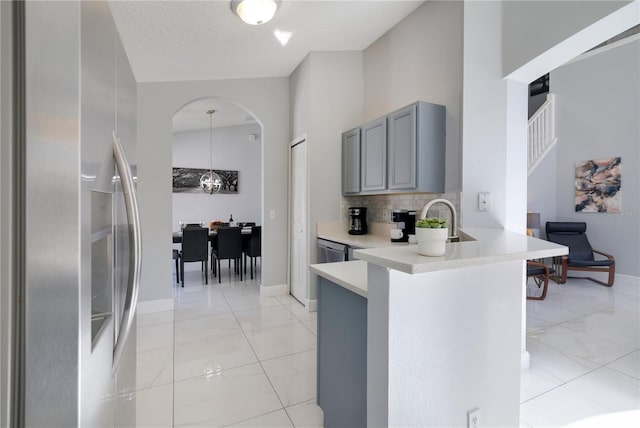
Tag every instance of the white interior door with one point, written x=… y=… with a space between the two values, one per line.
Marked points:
x=299 y=245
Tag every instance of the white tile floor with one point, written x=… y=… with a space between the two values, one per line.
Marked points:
x=584 y=342
x=228 y=357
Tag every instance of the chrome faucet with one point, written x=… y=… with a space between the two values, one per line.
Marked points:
x=454 y=216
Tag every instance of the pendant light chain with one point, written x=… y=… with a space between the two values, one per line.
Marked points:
x=210 y=182
x=211 y=140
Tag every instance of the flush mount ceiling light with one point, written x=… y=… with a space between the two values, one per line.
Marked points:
x=255 y=12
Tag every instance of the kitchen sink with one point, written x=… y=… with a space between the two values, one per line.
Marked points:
x=462 y=237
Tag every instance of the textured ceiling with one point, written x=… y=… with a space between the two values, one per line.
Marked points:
x=204 y=40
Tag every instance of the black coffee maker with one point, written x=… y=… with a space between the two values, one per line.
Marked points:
x=405 y=221
x=357 y=221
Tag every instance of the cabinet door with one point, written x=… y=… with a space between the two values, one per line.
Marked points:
x=351 y=162
x=374 y=155
x=402 y=149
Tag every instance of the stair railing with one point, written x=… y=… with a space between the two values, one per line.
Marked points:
x=542 y=133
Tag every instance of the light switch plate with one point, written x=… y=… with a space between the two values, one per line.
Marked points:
x=473 y=418
x=484 y=201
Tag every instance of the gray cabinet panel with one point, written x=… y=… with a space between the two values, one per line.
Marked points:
x=431 y=147
x=351 y=162
x=342 y=356
x=374 y=155
x=402 y=149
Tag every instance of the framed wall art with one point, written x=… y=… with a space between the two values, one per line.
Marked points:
x=187 y=180
x=598 y=186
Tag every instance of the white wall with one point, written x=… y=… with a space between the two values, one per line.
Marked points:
x=541 y=190
x=494 y=131
x=598 y=106
x=420 y=59
x=326 y=94
x=551 y=32
x=268 y=101
x=442 y=343
x=300 y=98
x=232 y=150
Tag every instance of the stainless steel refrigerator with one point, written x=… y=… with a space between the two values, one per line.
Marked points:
x=69 y=325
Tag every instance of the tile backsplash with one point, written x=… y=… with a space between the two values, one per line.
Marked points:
x=378 y=205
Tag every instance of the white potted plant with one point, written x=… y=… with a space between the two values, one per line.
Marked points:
x=432 y=234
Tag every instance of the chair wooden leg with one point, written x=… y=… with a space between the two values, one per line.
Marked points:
x=206 y=272
x=219 y=273
x=541 y=280
x=612 y=274
x=609 y=282
x=252 y=260
x=563 y=278
x=178 y=270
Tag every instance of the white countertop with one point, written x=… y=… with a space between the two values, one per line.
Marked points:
x=337 y=231
x=361 y=241
x=350 y=275
x=490 y=246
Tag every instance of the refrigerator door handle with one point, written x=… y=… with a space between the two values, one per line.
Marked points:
x=131 y=206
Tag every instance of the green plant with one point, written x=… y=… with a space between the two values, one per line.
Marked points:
x=433 y=223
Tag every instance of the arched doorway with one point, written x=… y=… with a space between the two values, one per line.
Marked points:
x=215 y=133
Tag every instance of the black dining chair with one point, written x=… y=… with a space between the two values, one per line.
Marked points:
x=193 y=226
x=176 y=257
x=195 y=248
x=252 y=248
x=228 y=247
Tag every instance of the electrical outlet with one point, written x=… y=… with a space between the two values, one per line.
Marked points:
x=473 y=418
x=385 y=215
x=272 y=215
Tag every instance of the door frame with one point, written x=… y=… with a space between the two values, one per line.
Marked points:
x=302 y=139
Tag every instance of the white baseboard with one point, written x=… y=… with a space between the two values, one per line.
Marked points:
x=151 y=306
x=524 y=361
x=627 y=280
x=312 y=305
x=273 y=290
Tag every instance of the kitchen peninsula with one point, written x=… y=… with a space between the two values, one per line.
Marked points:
x=443 y=334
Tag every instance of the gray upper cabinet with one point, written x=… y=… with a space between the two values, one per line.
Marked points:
x=351 y=162
x=403 y=151
x=417 y=139
x=373 y=160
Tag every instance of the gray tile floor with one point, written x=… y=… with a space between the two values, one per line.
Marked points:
x=228 y=357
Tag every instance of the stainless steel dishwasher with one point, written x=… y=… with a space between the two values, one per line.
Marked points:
x=329 y=251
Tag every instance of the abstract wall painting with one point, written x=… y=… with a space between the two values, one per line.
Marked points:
x=187 y=180
x=598 y=186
